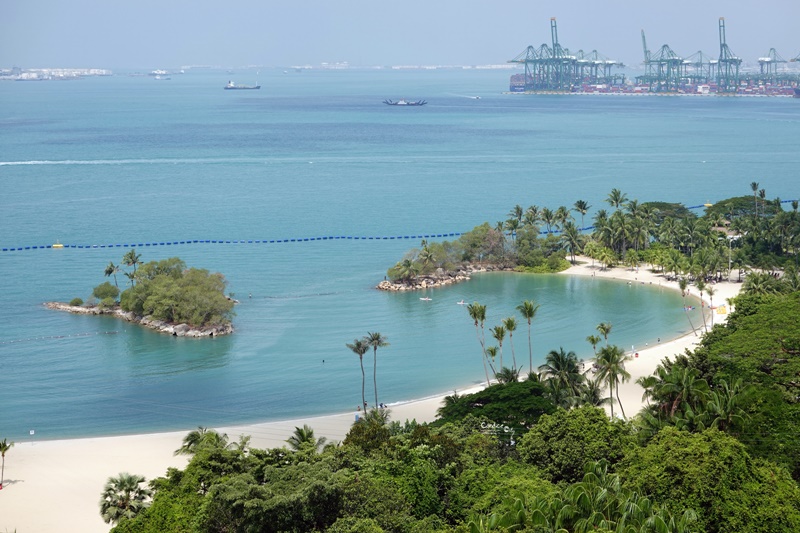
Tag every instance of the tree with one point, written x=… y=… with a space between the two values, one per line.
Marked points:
x=611 y=369
x=499 y=334
x=303 y=438
x=360 y=347
x=710 y=291
x=701 y=287
x=582 y=207
x=528 y=309
x=200 y=438
x=616 y=198
x=123 y=497
x=754 y=188
x=477 y=313
x=594 y=340
x=683 y=284
x=562 y=367
x=4 y=447
x=131 y=258
x=112 y=270
x=604 y=328
x=510 y=324
x=376 y=340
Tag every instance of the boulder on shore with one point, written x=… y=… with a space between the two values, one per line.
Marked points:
x=176 y=330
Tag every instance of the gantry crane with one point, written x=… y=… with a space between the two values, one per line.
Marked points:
x=728 y=64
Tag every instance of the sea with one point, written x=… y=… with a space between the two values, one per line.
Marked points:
x=303 y=194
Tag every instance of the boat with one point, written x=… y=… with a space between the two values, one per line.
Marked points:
x=426 y=299
x=403 y=102
x=57 y=245
x=233 y=86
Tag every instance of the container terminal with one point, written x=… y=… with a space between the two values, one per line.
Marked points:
x=552 y=68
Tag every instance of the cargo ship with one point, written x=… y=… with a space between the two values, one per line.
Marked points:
x=402 y=102
x=233 y=87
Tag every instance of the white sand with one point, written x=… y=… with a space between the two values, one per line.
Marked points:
x=56 y=485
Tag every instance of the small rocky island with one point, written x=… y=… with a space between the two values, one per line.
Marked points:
x=164 y=296
x=440 y=278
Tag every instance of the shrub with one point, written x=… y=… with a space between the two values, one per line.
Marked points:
x=105 y=290
x=76 y=302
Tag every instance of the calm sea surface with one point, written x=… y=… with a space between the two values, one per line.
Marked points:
x=129 y=160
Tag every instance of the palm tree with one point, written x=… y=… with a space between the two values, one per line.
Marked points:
x=590 y=392
x=303 y=438
x=604 y=328
x=564 y=369
x=491 y=354
x=123 y=496
x=477 y=312
x=701 y=287
x=111 y=270
x=594 y=340
x=754 y=188
x=571 y=240
x=499 y=334
x=683 y=283
x=611 y=369
x=710 y=291
x=510 y=324
x=131 y=258
x=528 y=310
x=360 y=347
x=376 y=340
x=4 y=447
x=202 y=437
x=516 y=213
x=616 y=198
x=582 y=207
x=508 y=375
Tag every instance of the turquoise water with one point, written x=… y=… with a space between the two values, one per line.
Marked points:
x=133 y=160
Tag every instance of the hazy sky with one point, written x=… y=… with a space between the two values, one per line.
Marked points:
x=169 y=33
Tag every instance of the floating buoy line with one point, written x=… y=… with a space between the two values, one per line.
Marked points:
x=59 y=245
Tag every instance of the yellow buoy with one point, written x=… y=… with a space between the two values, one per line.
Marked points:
x=58 y=245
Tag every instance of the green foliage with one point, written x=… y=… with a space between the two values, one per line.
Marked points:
x=712 y=474
x=515 y=406
x=76 y=302
x=105 y=290
x=167 y=291
x=561 y=443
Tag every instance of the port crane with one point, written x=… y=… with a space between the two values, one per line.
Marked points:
x=728 y=64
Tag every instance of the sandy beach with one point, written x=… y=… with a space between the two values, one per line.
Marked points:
x=56 y=485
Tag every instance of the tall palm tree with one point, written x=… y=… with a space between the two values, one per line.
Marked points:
x=376 y=340
x=571 y=240
x=123 y=496
x=605 y=329
x=582 y=207
x=303 y=438
x=528 y=309
x=701 y=288
x=683 y=283
x=611 y=369
x=477 y=313
x=516 y=213
x=4 y=447
x=754 y=188
x=131 y=258
x=111 y=270
x=510 y=324
x=491 y=355
x=360 y=347
x=499 y=334
x=563 y=368
x=710 y=291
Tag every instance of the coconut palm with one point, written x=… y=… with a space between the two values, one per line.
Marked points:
x=360 y=347
x=528 y=310
x=491 y=354
x=510 y=324
x=4 y=447
x=123 y=496
x=202 y=437
x=710 y=291
x=571 y=240
x=701 y=288
x=112 y=270
x=131 y=258
x=508 y=375
x=303 y=438
x=616 y=198
x=563 y=368
x=605 y=329
x=754 y=188
x=683 y=283
x=499 y=334
x=590 y=392
x=376 y=340
x=477 y=313
x=611 y=369
x=594 y=340
x=582 y=207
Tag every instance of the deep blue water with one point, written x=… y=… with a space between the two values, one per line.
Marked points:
x=124 y=160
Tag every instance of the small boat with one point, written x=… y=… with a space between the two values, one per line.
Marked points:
x=57 y=245
x=462 y=302
x=406 y=103
x=425 y=299
x=233 y=87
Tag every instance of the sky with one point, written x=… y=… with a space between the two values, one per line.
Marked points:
x=150 y=34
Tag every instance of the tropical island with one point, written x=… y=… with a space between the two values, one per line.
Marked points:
x=163 y=295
